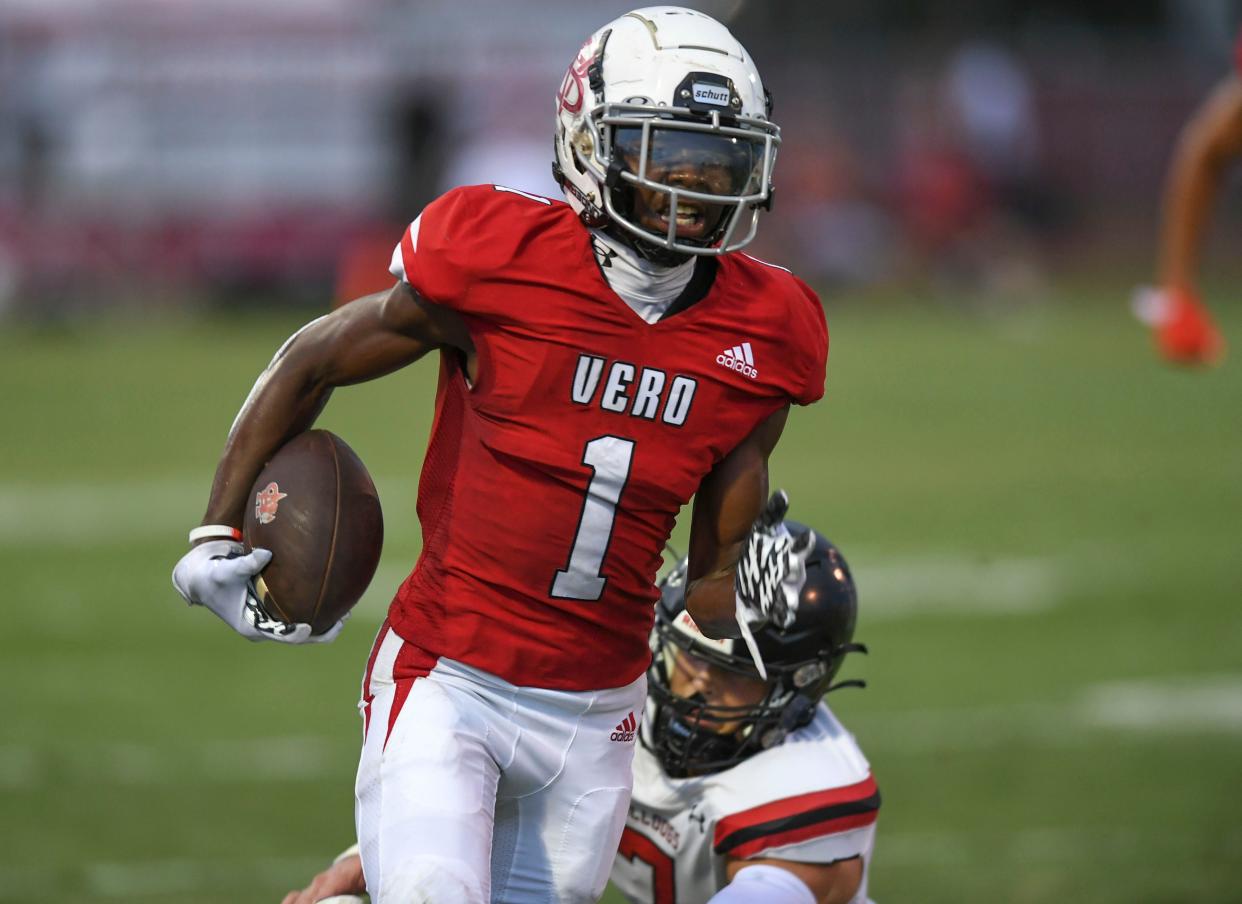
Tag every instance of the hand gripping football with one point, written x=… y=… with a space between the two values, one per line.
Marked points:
x=315 y=507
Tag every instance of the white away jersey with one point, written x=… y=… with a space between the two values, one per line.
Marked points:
x=811 y=800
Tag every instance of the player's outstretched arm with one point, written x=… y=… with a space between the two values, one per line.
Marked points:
x=790 y=883
x=363 y=340
x=1209 y=142
x=360 y=341
x=729 y=500
x=1182 y=326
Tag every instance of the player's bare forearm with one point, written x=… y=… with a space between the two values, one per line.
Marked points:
x=1210 y=141
x=360 y=341
x=725 y=507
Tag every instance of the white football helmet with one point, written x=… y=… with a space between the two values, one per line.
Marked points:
x=662 y=128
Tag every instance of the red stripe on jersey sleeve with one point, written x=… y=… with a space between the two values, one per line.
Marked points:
x=798 y=818
x=793 y=836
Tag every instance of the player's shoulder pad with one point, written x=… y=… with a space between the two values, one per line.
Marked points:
x=797 y=311
x=479 y=217
x=468 y=234
x=816 y=784
x=821 y=755
x=487 y=198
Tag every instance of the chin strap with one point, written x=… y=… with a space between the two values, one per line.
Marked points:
x=592 y=215
x=797 y=712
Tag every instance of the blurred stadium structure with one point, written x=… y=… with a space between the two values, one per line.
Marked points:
x=172 y=150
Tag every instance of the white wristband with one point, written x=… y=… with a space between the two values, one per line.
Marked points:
x=214 y=531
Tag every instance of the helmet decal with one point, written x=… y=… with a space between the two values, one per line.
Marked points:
x=571 y=95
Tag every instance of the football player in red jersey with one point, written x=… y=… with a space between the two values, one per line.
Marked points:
x=1210 y=142
x=745 y=789
x=601 y=362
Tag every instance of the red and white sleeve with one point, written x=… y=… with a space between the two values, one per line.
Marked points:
x=832 y=816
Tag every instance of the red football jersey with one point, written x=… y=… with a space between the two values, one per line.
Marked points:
x=550 y=486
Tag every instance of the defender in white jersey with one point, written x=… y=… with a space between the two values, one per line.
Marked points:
x=748 y=790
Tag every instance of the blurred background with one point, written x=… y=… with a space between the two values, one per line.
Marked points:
x=1043 y=518
x=173 y=153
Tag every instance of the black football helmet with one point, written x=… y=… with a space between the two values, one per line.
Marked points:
x=801 y=662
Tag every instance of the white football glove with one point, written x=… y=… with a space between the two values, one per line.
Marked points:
x=771 y=573
x=217 y=574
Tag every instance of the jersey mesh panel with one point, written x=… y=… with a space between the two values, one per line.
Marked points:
x=435 y=508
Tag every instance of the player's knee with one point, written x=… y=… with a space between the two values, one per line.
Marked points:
x=432 y=881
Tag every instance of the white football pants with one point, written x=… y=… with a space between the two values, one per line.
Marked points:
x=472 y=790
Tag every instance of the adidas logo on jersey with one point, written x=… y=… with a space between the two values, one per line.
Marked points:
x=739 y=358
x=625 y=730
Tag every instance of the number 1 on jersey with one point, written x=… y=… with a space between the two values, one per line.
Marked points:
x=608 y=457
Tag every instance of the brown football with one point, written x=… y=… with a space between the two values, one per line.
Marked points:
x=315 y=507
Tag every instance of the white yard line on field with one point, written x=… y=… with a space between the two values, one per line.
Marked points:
x=931 y=732
x=960 y=584
x=128 y=879
x=71 y=513
x=240 y=879
x=1181 y=705
x=268 y=761
x=1208 y=703
x=82 y=514
x=931 y=853
x=950 y=850
x=1177 y=705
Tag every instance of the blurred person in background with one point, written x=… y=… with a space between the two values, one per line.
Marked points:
x=1210 y=143
x=602 y=362
x=745 y=788
x=837 y=224
x=973 y=194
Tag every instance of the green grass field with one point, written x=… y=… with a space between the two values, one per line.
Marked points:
x=1044 y=523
